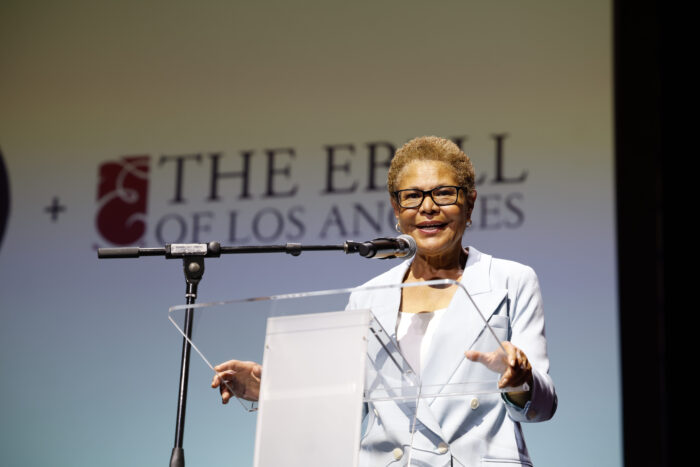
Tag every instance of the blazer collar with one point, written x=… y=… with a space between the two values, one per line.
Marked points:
x=475 y=278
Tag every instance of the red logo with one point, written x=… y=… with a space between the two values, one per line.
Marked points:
x=122 y=195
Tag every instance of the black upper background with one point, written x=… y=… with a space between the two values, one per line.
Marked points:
x=654 y=152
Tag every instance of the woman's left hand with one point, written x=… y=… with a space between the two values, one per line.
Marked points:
x=513 y=366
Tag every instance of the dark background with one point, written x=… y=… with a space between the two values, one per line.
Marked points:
x=654 y=150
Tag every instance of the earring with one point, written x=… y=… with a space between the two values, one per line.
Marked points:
x=398 y=228
x=469 y=223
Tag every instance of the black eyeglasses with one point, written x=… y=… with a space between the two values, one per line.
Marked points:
x=442 y=196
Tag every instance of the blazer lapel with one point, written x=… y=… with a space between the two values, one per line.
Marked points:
x=459 y=328
x=462 y=323
x=385 y=307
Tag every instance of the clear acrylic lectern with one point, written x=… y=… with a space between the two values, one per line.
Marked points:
x=332 y=368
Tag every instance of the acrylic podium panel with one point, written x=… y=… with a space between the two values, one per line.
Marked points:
x=311 y=395
x=330 y=357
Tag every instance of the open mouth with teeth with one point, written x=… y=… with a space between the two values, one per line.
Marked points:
x=429 y=227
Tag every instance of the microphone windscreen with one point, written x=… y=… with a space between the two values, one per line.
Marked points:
x=412 y=247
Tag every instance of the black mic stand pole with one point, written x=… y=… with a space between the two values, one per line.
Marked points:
x=194 y=270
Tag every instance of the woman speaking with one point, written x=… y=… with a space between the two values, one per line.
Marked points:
x=431 y=184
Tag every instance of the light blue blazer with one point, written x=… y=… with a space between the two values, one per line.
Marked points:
x=478 y=430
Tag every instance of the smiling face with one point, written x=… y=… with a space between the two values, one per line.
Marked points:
x=437 y=229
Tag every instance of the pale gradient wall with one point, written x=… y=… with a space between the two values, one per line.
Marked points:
x=89 y=361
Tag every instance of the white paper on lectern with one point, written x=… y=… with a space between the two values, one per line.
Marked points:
x=312 y=390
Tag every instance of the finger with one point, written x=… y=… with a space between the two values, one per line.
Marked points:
x=221 y=377
x=230 y=389
x=517 y=377
x=511 y=353
x=512 y=379
x=217 y=380
x=512 y=374
x=519 y=370
x=506 y=378
x=236 y=365
x=225 y=392
x=521 y=364
x=517 y=358
x=224 y=365
x=475 y=356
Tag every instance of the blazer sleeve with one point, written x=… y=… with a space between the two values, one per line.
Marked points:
x=528 y=334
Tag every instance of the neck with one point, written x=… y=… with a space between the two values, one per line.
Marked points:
x=440 y=266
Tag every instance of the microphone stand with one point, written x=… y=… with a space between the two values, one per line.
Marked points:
x=192 y=255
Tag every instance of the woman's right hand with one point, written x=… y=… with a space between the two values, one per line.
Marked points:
x=237 y=378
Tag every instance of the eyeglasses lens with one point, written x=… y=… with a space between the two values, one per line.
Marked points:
x=442 y=196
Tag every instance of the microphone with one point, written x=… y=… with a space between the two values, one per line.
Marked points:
x=403 y=246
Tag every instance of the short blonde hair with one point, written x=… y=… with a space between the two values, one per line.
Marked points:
x=432 y=148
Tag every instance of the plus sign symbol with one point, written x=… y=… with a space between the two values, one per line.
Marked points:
x=55 y=208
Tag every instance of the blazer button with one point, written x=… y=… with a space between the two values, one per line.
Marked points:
x=474 y=404
x=398 y=453
x=442 y=448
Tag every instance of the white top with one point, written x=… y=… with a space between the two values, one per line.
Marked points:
x=414 y=332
